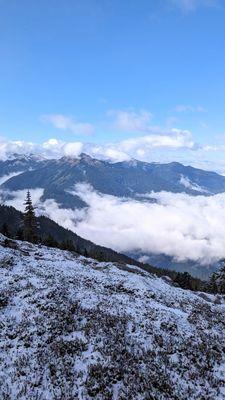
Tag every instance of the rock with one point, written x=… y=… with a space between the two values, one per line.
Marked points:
x=25 y=253
x=11 y=244
x=169 y=281
x=217 y=300
x=204 y=297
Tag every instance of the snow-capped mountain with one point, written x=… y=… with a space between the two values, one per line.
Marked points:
x=18 y=162
x=74 y=328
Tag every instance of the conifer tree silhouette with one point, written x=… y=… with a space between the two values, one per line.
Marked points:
x=30 y=222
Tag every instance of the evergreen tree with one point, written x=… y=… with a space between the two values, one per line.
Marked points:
x=30 y=222
x=220 y=279
x=212 y=285
x=5 y=230
x=67 y=245
x=50 y=241
x=19 y=234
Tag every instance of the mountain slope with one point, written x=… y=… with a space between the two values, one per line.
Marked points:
x=122 y=179
x=18 y=164
x=72 y=328
x=194 y=268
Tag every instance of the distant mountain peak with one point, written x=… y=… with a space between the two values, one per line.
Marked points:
x=89 y=160
x=86 y=157
x=68 y=159
x=25 y=157
x=132 y=162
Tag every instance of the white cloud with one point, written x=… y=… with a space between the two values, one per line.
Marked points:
x=131 y=121
x=17 y=198
x=64 y=217
x=66 y=123
x=8 y=148
x=109 y=152
x=181 y=226
x=145 y=147
x=57 y=148
x=173 y=138
x=53 y=148
x=178 y=225
x=123 y=150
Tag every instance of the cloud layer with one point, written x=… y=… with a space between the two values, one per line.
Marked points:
x=143 y=141
x=136 y=147
x=178 y=225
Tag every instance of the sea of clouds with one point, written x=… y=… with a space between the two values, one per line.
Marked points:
x=178 y=225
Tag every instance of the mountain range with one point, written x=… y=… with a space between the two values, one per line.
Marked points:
x=128 y=179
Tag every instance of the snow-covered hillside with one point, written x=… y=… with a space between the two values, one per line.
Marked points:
x=73 y=328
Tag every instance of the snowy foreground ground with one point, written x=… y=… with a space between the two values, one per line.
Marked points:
x=73 y=328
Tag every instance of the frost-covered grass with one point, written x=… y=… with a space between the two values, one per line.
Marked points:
x=73 y=328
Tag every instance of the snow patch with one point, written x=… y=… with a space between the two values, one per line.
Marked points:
x=5 y=178
x=186 y=182
x=72 y=327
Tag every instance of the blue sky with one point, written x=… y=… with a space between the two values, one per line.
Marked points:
x=111 y=71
